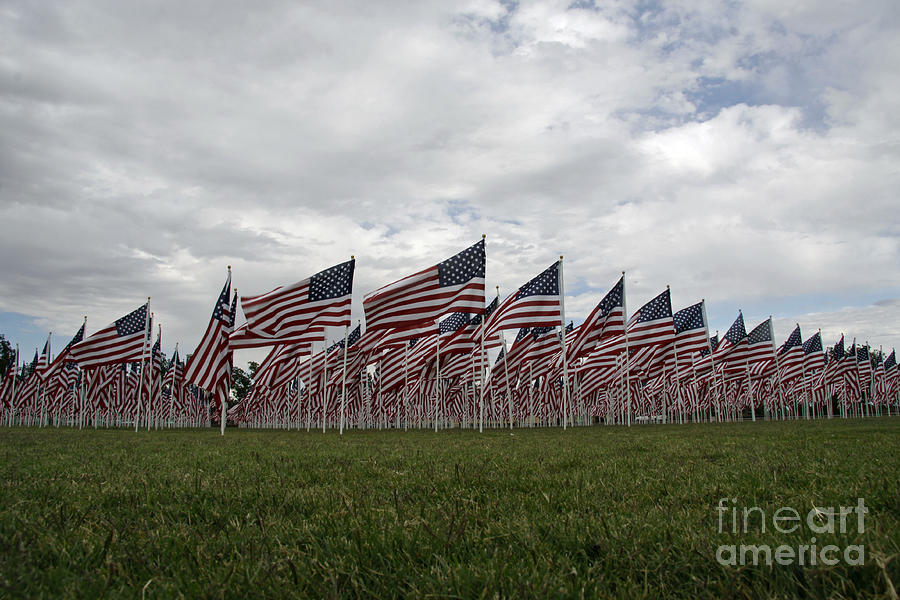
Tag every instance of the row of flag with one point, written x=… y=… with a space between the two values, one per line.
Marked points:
x=422 y=359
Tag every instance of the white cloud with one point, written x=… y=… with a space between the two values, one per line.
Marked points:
x=745 y=153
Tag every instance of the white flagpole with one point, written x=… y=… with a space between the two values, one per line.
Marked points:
x=324 y=384
x=174 y=386
x=137 y=408
x=344 y=380
x=437 y=391
x=562 y=321
x=12 y=401
x=43 y=384
x=150 y=394
x=406 y=385
x=481 y=391
x=627 y=361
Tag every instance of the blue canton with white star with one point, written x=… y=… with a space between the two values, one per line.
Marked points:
x=761 y=333
x=454 y=322
x=658 y=308
x=132 y=323
x=545 y=284
x=793 y=341
x=689 y=318
x=332 y=283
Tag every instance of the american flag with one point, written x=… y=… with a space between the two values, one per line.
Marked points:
x=122 y=341
x=863 y=366
x=652 y=324
x=814 y=356
x=286 y=312
x=535 y=304
x=790 y=356
x=760 y=343
x=606 y=320
x=63 y=356
x=44 y=361
x=691 y=334
x=836 y=363
x=206 y=365
x=477 y=325
x=733 y=347
x=454 y=285
x=455 y=336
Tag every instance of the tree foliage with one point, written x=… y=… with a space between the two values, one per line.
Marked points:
x=242 y=380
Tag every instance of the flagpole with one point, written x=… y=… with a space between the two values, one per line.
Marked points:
x=437 y=391
x=627 y=361
x=12 y=401
x=43 y=384
x=137 y=408
x=481 y=360
x=562 y=329
x=150 y=395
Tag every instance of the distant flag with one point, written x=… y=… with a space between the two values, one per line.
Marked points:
x=44 y=361
x=122 y=341
x=454 y=285
x=713 y=342
x=477 y=324
x=535 y=304
x=287 y=312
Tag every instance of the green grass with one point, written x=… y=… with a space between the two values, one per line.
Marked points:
x=602 y=511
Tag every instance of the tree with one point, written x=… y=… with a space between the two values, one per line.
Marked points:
x=243 y=380
x=7 y=354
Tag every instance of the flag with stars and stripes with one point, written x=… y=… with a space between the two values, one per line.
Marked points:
x=207 y=365
x=691 y=334
x=285 y=313
x=863 y=366
x=63 y=356
x=760 y=343
x=455 y=336
x=605 y=321
x=790 y=356
x=122 y=341
x=44 y=361
x=813 y=353
x=454 y=285
x=535 y=304
x=732 y=348
x=652 y=324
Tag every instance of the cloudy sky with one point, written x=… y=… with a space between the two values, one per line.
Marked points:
x=747 y=153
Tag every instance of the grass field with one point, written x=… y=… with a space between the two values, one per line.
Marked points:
x=602 y=511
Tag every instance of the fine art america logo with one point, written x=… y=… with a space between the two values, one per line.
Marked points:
x=823 y=521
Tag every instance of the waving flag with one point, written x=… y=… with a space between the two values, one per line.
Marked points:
x=44 y=361
x=733 y=347
x=122 y=341
x=813 y=355
x=652 y=324
x=535 y=304
x=283 y=314
x=606 y=320
x=691 y=334
x=207 y=364
x=790 y=356
x=455 y=285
